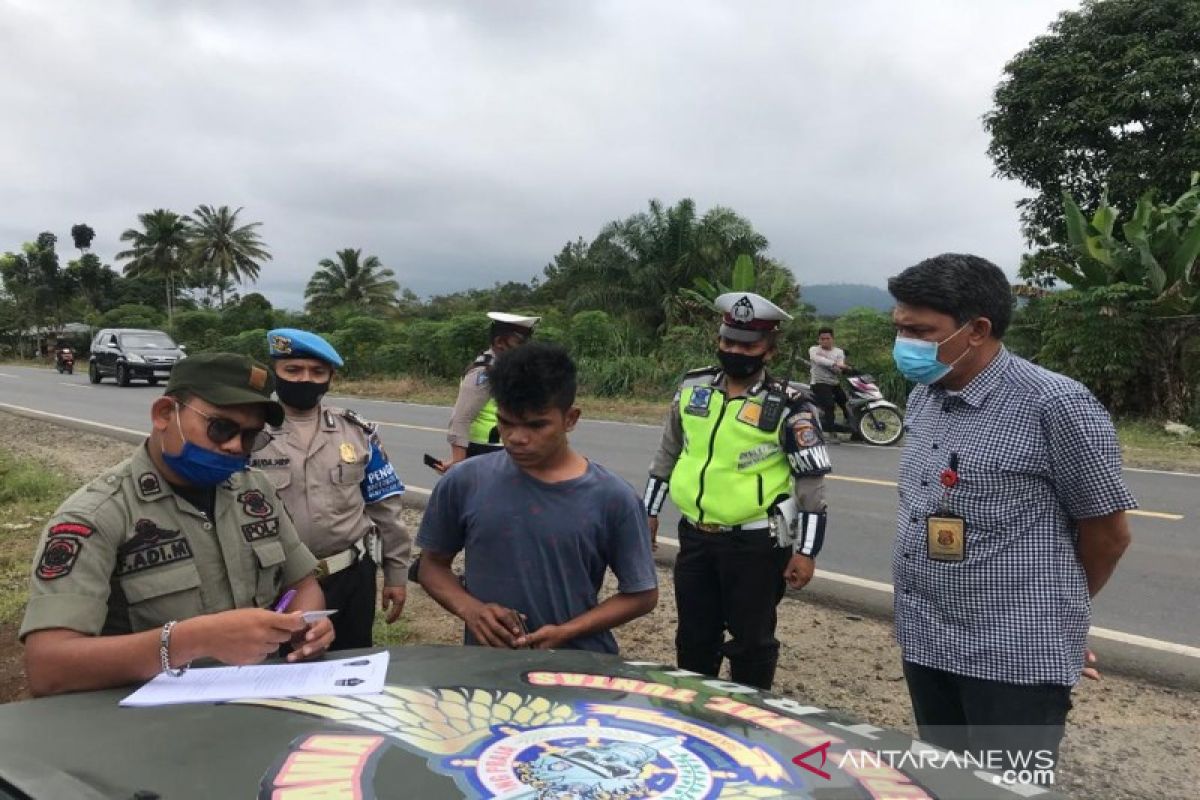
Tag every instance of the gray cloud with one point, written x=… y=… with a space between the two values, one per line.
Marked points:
x=464 y=142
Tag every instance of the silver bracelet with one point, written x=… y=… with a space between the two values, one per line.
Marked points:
x=164 y=651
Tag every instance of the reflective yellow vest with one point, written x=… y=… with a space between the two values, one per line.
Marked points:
x=729 y=471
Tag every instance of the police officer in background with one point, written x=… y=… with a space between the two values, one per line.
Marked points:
x=333 y=475
x=742 y=456
x=473 y=422
x=178 y=552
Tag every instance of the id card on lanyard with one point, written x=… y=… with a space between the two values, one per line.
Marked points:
x=946 y=533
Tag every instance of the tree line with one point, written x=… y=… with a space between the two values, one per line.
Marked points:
x=1099 y=118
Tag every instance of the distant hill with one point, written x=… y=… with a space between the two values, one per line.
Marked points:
x=833 y=299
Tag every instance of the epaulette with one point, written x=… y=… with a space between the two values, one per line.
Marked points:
x=693 y=376
x=369 y=427
x=484 y=359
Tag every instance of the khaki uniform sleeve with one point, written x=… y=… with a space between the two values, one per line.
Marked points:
x=671 y=444
x=472 y=397
x=73 y=565
x=394 y=535
x=299 y=562
x=395 y=538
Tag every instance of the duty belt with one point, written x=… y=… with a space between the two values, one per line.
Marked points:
x=755 y=525
x=339 y=561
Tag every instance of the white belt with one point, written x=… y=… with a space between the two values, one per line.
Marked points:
x=339 y=561
x=754 y=525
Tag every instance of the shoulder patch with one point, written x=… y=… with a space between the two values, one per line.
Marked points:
x=71 y=529
x=369 y=427
x=64 y=543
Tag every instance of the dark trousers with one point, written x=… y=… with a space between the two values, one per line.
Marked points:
x=1024 y=723
x=352 y=593
x=476 y=449
x=729 y=581
x=829 y=398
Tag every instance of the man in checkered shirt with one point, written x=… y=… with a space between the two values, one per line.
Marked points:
x=1011 y=516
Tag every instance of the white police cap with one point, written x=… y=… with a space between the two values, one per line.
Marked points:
x=515 y=320
x=748 y=316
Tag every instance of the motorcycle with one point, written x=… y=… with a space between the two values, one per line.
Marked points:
x=874 y=418
x=64 y=360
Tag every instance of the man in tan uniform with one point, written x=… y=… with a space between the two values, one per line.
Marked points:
x=333 y=476
x=176 y=553
x=473 y=428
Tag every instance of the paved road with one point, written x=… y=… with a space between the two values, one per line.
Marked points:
x=1155 y=593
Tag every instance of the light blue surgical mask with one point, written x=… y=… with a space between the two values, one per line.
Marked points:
x=201 y=467
x=917 y=359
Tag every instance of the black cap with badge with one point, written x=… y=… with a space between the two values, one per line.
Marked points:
x=227 y=379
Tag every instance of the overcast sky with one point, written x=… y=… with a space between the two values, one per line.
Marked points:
x=465 y=142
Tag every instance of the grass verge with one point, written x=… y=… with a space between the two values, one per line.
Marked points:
x=29 y=493
x=421 y=390
x=1145 y=444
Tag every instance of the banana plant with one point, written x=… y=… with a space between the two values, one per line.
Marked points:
x=772 y=284
x=1157 y=248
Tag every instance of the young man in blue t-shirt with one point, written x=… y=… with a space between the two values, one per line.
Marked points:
x=538 y=522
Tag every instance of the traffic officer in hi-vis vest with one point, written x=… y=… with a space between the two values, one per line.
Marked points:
x=334 y=478
x=742 y=456
x=177 y=553
x=473 y=422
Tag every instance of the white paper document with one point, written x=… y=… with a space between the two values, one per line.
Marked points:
x=344 y=676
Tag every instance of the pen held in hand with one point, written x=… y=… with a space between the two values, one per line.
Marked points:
x=284 y=601
x=310 y=617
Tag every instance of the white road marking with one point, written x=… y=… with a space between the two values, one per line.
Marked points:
x=36 y=413
x=8 y=375
x=1163 y=472
x=73 y=385
x=1099 y=633
x=1137 y=512
x=410 y=427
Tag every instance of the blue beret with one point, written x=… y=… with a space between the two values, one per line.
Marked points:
x=294 y=343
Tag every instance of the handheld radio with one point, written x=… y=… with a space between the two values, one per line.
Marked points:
x=775 y=402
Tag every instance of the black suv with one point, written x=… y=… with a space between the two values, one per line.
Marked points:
x=128 y=353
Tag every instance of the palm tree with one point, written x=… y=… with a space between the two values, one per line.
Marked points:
x=638 y=264
x=157 y=250
x=218 y=246
x=351 y=281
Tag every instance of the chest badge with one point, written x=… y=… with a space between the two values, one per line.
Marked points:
x=699 y=401
x=348 y=454
x=255 y=504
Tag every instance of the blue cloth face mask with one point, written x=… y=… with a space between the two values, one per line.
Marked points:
x=917 y=359
x=201 y=467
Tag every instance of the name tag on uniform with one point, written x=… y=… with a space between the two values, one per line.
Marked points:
x=946 y=537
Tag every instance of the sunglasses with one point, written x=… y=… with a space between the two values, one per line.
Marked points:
x=222 y=430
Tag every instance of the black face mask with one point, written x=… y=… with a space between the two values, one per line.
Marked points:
x=739 y=365
x=301 y=395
